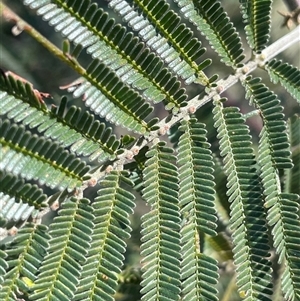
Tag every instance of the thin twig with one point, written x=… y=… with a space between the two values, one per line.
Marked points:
x=22 y=25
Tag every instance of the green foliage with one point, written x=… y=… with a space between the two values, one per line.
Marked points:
x=213 y=22
x=196 y=195
x=249 y=235
x=111 y=209
x=256 y=15
x=160 y=246
x=21 y=200
x=287 y=75
x=184 y=49
x=293 y=175
x=23 y=259
x=158 y=196
x=274 y=125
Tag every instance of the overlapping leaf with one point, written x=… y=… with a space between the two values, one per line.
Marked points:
x=108 y=97
x=86 y=136
x=23 y=260
x=13 y=212
x=27 y=193
x=39 y=159
x=196 y=180
x=288 y=240
x=174 y=43
x=273 y=118
x=292 y=176
x=21 y=90
x=18 y=200
x=287 y=75
x=247 y=213
x=3 y=266
x=99 y=277
x=196 y=195
x=70 y=233
x=160 y=246
x=120 y=60
x=212 y=21
x=133 y=64
x=257 y=16
x=283 y=218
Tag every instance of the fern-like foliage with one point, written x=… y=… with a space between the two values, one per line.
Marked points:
x=21 y=91
x=23 y=259
x=282 y=217
x=271 y=112
x=287 y=75
x=184 y=49
x=3 y=266
x=290 y=278
x=85 y=136
x=59 y=272
x=121 y=51
x=249 y=236
x=20 y=150
x=197 y=186
x=160 y=195
x=257 y=17
x=292 y=175
x=160 y=247
x=99 y=276
x=212 y=21
x=107 y=102
x=18 y=200
x=196 y=195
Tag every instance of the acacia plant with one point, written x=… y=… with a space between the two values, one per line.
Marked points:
x=222 y=220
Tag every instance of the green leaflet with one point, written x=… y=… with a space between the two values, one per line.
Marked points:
x=197 y=196
x=287 y=75
x=250 y=239
x=18 y=201
x=283 y=219
x=97 y=140
x=271 y=112
x=199 y=208
x=174 y=43
x=288 y=229
x=26 y=193
x=212 y=21
x=18 y=90
x=23 y=260
x=108 y=97
x=160 y=227
x=195 y=174
x=3 y=266
x=70 y=231
x=104 y=258
x=257 y=16
x=292 y=176
x=123 y=53
x=85 y=136
x=37 y=158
